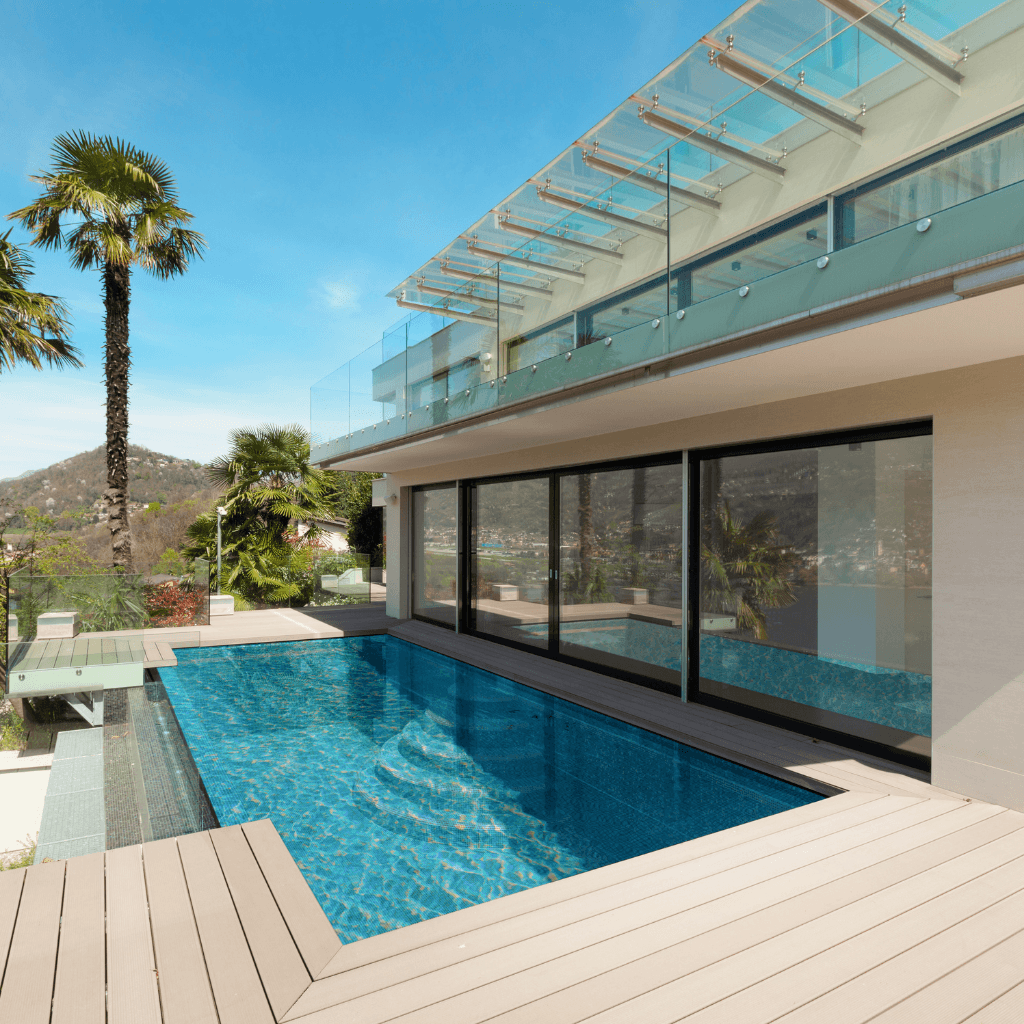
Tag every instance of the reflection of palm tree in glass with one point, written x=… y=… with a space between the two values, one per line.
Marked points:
x=744 y=569
x=587 y=585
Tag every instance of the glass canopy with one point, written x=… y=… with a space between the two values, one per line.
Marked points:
x=742 y=100
x=644 y=214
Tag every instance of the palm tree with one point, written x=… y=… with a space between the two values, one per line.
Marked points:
x=124 y=205
x=269 y=482
x=744 y=568
x=33 y=326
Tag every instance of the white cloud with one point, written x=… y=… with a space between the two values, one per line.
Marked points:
x=341 y=295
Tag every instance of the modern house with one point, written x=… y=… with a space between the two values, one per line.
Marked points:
x=728 y=399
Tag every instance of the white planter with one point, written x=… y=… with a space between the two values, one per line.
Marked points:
x=57 y=625
x=635 y=595
x=505 y=592
x=12 y=628
x=222 y=604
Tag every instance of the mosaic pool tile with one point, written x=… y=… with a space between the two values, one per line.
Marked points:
x=899 y=699
x=407 y=785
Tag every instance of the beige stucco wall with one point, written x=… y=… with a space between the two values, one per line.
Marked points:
x=978 y=565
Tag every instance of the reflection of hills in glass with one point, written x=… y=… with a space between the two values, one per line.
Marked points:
x=788 y=483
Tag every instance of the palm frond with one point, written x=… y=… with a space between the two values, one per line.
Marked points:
x=34 y=327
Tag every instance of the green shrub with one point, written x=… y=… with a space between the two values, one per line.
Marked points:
x=13 y=735
x=20 y=860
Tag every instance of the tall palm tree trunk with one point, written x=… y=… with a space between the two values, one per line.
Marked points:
x=116 y=297
x=587 y=538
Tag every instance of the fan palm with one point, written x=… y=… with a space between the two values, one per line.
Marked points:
x=33 y=327
x=269 y=482
x=123 y=206
x=744 y=568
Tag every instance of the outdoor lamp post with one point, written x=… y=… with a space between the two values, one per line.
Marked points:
x=221 y=511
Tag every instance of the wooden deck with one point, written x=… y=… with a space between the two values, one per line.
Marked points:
x=891 y=901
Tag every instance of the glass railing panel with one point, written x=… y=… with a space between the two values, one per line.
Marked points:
x=769 y=253
x=62 y=607
x=340 y=578
x=330 y=407
x=523 y=351
x=376 y=389
x=638 y=305
x=955 y=179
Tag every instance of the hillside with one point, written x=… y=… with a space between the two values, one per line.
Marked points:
x=81 y=480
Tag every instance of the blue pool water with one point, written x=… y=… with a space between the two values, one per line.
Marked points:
x=407 y=785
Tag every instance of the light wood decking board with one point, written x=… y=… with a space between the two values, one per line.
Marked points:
x=924 y=965
x=560 y=954
x=185 y=993
x=33 y=949
x=132 y=996
x=11 y=885
x=80 y=986
x=965 y=990
x=236 y=983
x=941 y=919
x=421 y=935
x=735 y=986
x=277 y=958
x=312 y=933
x=752 y=917
x=1005 y=1009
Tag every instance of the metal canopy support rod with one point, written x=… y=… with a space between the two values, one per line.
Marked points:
x=465 y=297
x=732 y=63
x=451 y=314
x=906 y=49
x=714 y=146
x=510 y=287
x=626 y=223
x=559 y=242
x=544 y=269
x=601 y=163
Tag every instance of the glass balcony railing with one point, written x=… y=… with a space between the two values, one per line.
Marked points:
x=114 y=605
x=612 y=242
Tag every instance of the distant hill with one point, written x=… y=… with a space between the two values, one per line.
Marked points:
x=81 y=480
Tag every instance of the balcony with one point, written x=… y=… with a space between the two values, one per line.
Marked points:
x=684 y=235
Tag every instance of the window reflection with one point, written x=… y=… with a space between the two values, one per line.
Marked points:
x=965 y=175
x=815 y=580
x=509 y=559
x=620 y=564
x=435 y=535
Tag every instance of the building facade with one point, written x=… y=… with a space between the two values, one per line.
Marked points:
x=727 y=399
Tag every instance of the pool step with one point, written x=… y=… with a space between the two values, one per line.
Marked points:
x=73 y=820
x=152 y=788
x=460 y=806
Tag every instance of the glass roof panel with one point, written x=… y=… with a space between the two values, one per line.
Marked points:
x=799 y=45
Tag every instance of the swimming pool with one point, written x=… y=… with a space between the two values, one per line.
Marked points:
x=407 y=785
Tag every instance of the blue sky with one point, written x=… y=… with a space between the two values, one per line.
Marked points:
x=325 y=149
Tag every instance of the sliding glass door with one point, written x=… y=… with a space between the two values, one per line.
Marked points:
x=509 y=559
x=435 y=526
x=814 y=583
x=583 y=564
x=620 y=569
